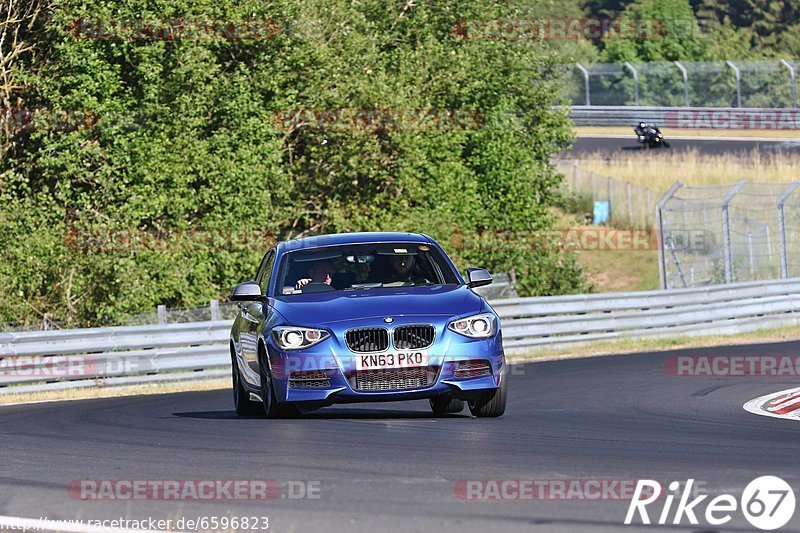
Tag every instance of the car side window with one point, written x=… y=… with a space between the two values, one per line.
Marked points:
x=265 y=271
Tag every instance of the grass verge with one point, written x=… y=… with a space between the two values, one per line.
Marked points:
x=111 y=392
x=658 y=170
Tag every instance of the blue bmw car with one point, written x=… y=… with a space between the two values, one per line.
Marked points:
x=365 y=317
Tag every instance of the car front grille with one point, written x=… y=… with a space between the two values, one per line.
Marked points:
x=392 y=379
x=367 y=340
x=413 y=337
x=472 y=369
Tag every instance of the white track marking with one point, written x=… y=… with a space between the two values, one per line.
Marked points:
x=759 y=405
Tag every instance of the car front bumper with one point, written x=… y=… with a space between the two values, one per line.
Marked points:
x=326 y=374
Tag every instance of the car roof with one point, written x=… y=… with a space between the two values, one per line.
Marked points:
x=353 y=238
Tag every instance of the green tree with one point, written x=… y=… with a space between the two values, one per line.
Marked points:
x=192 y=135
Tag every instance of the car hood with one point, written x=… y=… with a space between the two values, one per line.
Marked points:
x=331 y=307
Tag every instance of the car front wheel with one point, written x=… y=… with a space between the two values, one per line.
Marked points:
x=491 y=404
x=443 y=406
x=272 y=408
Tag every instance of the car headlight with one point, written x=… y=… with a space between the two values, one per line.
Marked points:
x=477 y=326
x=293 y=338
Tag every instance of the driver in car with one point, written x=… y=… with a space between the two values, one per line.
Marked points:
x=320 y=272
x=400 y=271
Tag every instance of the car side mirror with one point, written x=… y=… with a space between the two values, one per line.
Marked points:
x=246 y=292
x=478 y=277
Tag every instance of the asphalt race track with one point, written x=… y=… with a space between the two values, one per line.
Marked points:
x=395 y=466
x=616 y=144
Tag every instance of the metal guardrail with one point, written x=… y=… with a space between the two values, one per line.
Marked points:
x=728 y=118
x=52 y=360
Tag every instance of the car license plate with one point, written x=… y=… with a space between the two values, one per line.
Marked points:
x=374 y=361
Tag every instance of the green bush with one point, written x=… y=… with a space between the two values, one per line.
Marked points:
x=196 y=136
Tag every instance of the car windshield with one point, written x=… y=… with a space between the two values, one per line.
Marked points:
x=363 y=266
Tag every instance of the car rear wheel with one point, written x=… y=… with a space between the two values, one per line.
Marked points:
x=241 y=397
x=492 y=404
x=443 y=406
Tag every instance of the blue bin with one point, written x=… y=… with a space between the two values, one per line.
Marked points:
x=601 y=213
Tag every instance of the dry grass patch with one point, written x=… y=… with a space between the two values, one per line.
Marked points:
x=110 y=392
x=658 y=170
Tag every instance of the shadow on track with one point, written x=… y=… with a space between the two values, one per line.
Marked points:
x=325 y=414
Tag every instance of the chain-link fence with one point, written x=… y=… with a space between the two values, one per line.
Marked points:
x=724 y=234
x=630 y=206
x=755 y=84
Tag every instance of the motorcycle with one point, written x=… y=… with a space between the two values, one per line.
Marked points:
x=650 y=136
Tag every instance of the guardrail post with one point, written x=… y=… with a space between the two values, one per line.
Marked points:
x=214 y=307
x=782 y=227
x=685 y=81
x=726 y=231
x=662 y=267
x=162 y=314
x=792 y=77
x=585 y=82
x=630 y=67
x=738 y=75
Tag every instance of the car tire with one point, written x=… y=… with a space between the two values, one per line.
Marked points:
x=444 y=406
x=273 y=408
x=492 y=404
x=242 y=403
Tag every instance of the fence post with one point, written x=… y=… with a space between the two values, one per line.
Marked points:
x=750 y=257
x=738 y=75
x=611 y=209
x=214 y=306
x=685 y=81
x=630 y=67
x=585 y=82
x=782 y=227
x=726 y=231
x=662 y=267
x=575 y=174
x=792 y=78
x=162 y=314
x=628 y=188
